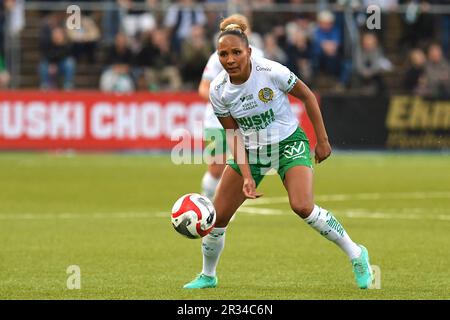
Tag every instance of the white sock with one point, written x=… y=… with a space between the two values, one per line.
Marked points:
x=329 y=227
x=209 y=185
x=212 y=246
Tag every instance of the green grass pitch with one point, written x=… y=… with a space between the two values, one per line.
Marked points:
x=109 y=215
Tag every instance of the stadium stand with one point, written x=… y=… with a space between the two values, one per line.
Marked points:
x=88 y=74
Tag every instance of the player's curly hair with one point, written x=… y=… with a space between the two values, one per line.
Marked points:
x=235 y=24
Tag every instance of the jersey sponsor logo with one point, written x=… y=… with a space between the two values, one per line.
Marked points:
x=265 y=94
x=256 y=122
x=295 y=150
x=246 y=98
x=249 y=105
x=248 y=102
x=259 y=68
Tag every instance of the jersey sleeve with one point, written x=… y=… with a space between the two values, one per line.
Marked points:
x=219 y=108
x=284 y=78
x=212 y=68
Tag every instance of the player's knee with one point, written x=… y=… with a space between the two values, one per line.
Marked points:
x=302 y=208
x=216 y=170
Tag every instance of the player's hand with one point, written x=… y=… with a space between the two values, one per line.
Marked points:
x=249 y=189
x=322 y=151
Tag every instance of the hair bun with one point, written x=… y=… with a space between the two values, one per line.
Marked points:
x=235 y=22
x=233 y=26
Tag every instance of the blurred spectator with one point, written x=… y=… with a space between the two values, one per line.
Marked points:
x=194 y=56
x=213 y=19
x=117 y=79
x=414 y=74
x=279 y=33
x=272 y=51
x=12 y=22
x=254 y=38
x=16 y=9
x=444 y=28
x=159 y=62
x=52 y=21
x=437 y=74
x=12 y=19
x=299 y=56
x=120 y=52
x=110 y=24
x=180 y=18
x=56 y=61
x=326 y=43
x=84 y=39
x=445 y=34
x=302 y=23
x=418 y=24
x=371 y=63
x=137 y=20
x=117 y=76
x=4 y=75
x=386 y=6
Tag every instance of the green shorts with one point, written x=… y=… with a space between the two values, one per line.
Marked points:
x=290 y=152
x=215 y=141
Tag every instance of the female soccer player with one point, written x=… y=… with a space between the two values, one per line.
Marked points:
x=214 y=133
x=251 y=95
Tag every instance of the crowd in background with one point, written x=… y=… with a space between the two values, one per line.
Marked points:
x=146 y=49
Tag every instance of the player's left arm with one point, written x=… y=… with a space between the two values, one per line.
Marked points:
x=301 y=91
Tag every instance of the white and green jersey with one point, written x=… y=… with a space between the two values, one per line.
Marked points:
x=260 y=106
x=212 y=69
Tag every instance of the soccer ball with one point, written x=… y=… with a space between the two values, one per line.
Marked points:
x=193 y=216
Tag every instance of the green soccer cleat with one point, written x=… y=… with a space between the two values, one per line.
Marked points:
x=362 y=269
x=202 y=282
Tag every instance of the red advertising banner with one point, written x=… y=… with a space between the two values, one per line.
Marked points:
x=83 y=120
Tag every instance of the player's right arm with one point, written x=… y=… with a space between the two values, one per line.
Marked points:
x=212 y=69
x=236 y=144
x=203 y=89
